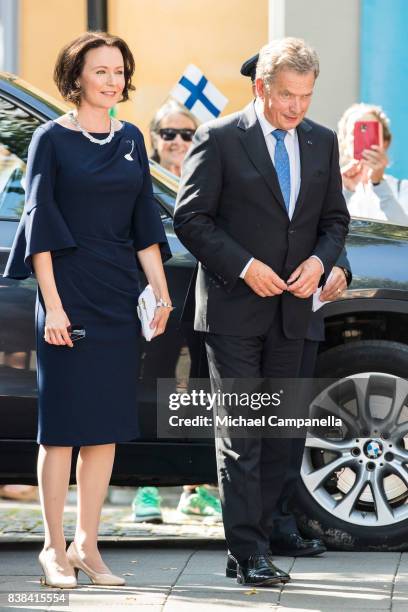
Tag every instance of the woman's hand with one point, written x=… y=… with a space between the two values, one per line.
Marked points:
x=151 y=262
x=352 y=174
x=56 y=323
x=376 y=160
x=160 y=320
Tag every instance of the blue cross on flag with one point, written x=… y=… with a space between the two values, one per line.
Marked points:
x=197 y=94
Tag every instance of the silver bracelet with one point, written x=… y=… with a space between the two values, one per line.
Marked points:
x=163 y=303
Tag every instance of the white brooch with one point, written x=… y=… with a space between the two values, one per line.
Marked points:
x=128 y=156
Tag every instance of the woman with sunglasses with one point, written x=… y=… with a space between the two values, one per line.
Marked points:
x=89 y=220
x=171 y=132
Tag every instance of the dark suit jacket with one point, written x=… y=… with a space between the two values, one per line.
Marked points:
x=230 y=208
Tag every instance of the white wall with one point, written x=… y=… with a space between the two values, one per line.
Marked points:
x=9 y=10
x=332 y=27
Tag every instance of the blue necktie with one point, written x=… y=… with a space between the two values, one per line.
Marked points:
x=282 y=166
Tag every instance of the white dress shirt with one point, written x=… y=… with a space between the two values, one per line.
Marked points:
x=292 y=147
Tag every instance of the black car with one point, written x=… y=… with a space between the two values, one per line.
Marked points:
x=354 y=492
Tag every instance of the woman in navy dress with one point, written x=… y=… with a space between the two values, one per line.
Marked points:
x=89 y=221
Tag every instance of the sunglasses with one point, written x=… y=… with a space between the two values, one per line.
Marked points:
x=171 y=133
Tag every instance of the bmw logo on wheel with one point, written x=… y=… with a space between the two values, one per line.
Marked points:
x=373 y=449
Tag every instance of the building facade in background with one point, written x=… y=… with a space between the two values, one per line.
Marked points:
x=361 y=44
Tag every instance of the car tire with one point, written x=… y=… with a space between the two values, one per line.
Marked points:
x=313 y=520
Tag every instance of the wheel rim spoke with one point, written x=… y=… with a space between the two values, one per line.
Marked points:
x=346 y=506
x=337 y=446
x=399 y=470
x=400 y=431
x=382 y=508
x=328 y=404
x=316 y=478
x=401 y=454
x=399 y=399
x=361 y=385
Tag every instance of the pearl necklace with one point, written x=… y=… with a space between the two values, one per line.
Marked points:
x=89 y=136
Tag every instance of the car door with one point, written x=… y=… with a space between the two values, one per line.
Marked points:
x=17 y=298
x=179 y=354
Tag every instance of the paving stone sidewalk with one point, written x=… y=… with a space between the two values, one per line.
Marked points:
x=22 y=522
x=179 y=578
x=177 y=567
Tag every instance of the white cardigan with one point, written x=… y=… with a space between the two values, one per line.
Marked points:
x=387 y=201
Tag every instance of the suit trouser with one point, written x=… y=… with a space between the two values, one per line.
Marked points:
x=251 y=471
x=284 y=519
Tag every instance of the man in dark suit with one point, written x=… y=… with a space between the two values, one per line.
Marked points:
x=286 y=539
x=260 y=206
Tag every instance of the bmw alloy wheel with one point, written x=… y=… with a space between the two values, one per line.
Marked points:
x=360 y=474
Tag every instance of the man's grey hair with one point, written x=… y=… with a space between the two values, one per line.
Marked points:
x=286 y=53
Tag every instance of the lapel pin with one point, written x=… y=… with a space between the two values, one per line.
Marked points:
x=309 y=142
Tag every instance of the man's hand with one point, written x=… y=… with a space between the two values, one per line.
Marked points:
x=335 y=286
x=263 y=280
x=304 y=281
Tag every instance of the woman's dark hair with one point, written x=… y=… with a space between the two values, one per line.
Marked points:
x=71 y=59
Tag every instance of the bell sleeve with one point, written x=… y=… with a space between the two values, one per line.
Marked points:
x=42 y=226
x=147 y=226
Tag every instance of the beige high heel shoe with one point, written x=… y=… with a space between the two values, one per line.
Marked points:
x=54 y=578
x=96 y=577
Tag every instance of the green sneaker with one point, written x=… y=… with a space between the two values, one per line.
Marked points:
x=146 y=506
x=200 y=504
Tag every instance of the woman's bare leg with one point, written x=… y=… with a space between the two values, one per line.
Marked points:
x=53 y=470
x=93 y=473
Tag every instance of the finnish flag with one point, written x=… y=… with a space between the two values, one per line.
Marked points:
x=197 y=94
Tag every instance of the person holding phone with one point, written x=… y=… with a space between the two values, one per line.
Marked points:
x=89 y=221
x=364 y=139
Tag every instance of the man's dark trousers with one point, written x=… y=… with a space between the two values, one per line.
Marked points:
x=251 y=470
x=284 y=519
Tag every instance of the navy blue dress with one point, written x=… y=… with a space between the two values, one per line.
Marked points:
x=92 y=206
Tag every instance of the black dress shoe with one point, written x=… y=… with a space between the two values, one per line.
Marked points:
x=293 y=545
x=257 y=570
x=232 y=564
x=231 y=569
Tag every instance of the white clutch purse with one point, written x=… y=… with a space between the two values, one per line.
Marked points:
x=146 y=307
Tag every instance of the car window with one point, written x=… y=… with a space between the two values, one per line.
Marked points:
x=165 y=198
x=161 y=200
x=16 y=129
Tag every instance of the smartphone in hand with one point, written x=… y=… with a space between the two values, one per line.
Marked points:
x=76 y=332
x=366 y=134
